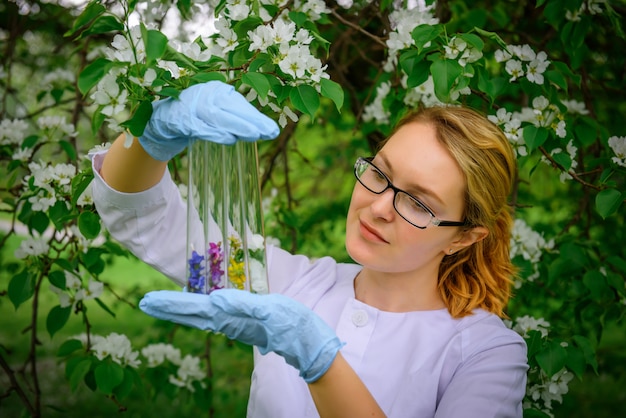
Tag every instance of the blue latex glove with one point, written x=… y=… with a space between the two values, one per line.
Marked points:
x=212 y=111
x=270 y=322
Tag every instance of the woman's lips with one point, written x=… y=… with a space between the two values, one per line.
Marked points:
x=371 y=234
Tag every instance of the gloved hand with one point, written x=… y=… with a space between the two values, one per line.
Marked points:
x=270 y=322
x=212 y=111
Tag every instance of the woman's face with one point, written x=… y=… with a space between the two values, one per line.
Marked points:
x=380 y=239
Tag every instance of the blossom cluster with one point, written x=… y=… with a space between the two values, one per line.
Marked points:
x=403 y=21
x=75 y=291
x=188 y=368
x=50 y=182
x=529 y=245
x=117 y=347
x=525 y=324
x=541 y=114
x=593 y=7
x=516 y=56
x=541 y=392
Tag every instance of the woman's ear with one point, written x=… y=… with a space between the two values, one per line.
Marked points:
x=468 y=237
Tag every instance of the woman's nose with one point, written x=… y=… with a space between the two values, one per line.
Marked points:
x=382 y=205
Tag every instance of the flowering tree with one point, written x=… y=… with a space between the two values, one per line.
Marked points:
x=548 y=73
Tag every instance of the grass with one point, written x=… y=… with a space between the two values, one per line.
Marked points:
x=130 y=279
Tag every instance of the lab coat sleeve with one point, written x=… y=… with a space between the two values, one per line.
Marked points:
x=490 y=382
x=152 y=224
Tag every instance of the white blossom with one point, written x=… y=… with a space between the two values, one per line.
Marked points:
x=227 y=38
x=525 y=324
x=22 y=154
x=376 y=111
x=536 y=68
x=56 y=124
x=118 y=347
x=237 y=10
x=188 y=372
x=108 y=95
x=529 y=245
x=125 y=50
x=32 y=246
x=12 y=131
x=618 y=145
x=283 y=114
x=576 y=107
x=158 y=353
x=514 y=68
x=148 y=78
x=540 y=395
x=75 y=291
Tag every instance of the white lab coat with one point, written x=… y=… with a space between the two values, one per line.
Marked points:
x=416 y=364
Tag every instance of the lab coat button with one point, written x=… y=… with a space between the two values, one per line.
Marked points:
x=359 y=318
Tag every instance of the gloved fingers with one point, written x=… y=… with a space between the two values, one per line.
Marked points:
x=175 y=302
x=256 y=123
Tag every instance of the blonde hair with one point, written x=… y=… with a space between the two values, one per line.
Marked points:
x=478 y=276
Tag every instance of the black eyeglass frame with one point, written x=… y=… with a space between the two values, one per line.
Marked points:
x=433 y=218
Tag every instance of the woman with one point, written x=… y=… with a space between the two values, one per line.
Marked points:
x=411 y=330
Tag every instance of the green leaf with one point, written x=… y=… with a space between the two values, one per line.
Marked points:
x=333 y=91
x=493 y=36
x=534 y=137
x=415 y=66
x=445 y=72
x=423 y=34
x=575 y=361
x=89 y=224
x=39 y=221
x=563 y=159
x=258 y=82
x=305 y=99
x=567 y=72
x=68 y=347
x=618 y=262
x=97 y=120
x=586 y=130
x=92 y=74
x=587 y=348
x=298 y=18
x=76 y=369
x=60 y=214
x=473 y=40
x=204 y=77
x=155 y=43
x=552 y=358
x=597 y=285
x=608 y=201
x=21 y=288
x=534 y=413
x=79 y=184
x=169 y=92
x=534 y=341
x=108 y=375
x=69 y=149
x=57 y=318
x=137 y=123
x=105 y=307
x=93 y=10
x=124 y=388
x=557 y=78
x=103 y=24
x=57 y=279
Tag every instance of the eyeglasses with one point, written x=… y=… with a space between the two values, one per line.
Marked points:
x=408 y=207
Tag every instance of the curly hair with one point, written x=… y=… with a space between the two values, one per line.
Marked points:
x=478 y=276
